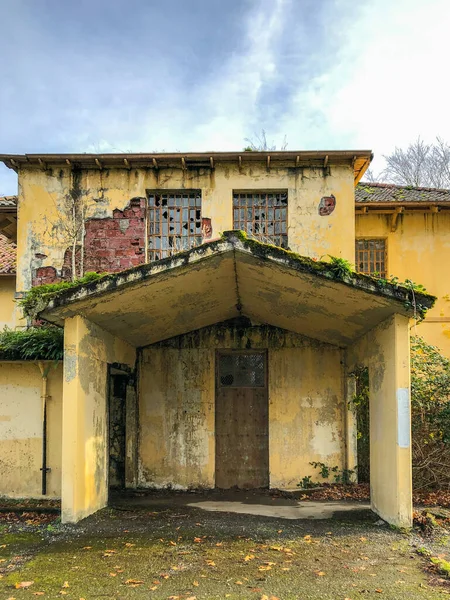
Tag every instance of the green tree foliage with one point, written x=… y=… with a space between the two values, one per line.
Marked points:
x=430 y=417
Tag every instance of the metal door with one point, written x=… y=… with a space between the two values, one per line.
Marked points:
x=242 y=444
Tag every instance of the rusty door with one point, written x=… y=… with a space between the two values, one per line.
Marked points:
x=242 y=428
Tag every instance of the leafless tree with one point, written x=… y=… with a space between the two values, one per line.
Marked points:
x=419 y=165
x=259 y=143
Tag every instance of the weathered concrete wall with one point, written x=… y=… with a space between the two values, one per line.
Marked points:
x=21 y=427
x=385 y=350
x=418 y=250
x=44 y=250
x=177 y=405
x=88 y=351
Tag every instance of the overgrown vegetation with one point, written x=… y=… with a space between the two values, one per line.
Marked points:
x=345 y=476
x=38 y=297
x=35 y=343
x=430 y=418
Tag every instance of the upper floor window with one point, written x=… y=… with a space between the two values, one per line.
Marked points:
x=263 y=215
x=174 y=222
x=371 y=257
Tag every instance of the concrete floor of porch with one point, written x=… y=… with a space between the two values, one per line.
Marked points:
x=264 y=503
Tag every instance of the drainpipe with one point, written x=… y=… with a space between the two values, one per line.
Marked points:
x=44 y=397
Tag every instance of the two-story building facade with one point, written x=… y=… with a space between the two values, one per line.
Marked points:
x=210 y=357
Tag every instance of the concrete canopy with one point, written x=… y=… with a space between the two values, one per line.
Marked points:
x=230 y=277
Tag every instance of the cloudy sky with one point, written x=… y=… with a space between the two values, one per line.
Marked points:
x=149 y=75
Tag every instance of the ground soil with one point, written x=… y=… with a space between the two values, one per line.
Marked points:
x=171 y=550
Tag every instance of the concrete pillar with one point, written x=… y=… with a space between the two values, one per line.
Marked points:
x=84 y=425
x=390 y=422
x=351 y=429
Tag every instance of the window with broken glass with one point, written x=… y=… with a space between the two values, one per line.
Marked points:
x=262 y=215
x=174 y=222
x=371 y=257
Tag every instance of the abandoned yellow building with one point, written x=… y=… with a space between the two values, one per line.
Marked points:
x=219 y=351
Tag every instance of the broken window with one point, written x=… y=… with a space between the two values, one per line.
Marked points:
x=174 y=222
x=371 y=257
x=262 y=215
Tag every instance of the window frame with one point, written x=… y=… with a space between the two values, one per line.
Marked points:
x=374 y=238
x=265 y=238
x=196 y=236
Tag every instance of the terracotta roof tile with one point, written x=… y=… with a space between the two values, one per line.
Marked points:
x=9 y=201
x=387 y=192
x=7 y=256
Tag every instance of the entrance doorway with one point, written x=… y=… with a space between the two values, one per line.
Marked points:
x=117 y=428
x=242 y=420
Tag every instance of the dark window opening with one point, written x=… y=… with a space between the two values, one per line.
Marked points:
x=262 y=215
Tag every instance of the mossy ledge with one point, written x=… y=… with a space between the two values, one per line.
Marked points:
x=414 y=300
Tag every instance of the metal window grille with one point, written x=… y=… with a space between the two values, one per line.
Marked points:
x=262 y=215
x=371 y=257
x=242 y=370
x=174 y=222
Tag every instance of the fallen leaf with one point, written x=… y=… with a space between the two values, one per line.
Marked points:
x=173 y=544
x=196 y=583
x=173 y=597
x=38 y=593
x=379 y=591
x=65 y=584
x=307 y=537
x=264 y=568
x=249 y=557
x=134 y=582
x=191 y=598
x=156 y=582
x=320 y=573
x=128 y=545
x=113 y=574
x=63 y=593
x=153 y=588
x=23 y=584
x=198 y=540
x=238 y=583
x=210 y=563
x=87 y=547
x=219 y=544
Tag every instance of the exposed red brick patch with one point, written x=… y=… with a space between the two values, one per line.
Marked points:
x=111 y=244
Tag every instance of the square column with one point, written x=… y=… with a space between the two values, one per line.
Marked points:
x=385 y=350
x=85 y=453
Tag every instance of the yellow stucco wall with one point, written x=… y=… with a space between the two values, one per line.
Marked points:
x=21 y=429
x=9 y=311
x=385 y=351
x=177 y=406
x=418 y=250
x=88 y=351
x=41 y=197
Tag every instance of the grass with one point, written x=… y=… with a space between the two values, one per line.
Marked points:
x=183 y=553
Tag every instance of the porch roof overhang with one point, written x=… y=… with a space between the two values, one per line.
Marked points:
x=230 y=277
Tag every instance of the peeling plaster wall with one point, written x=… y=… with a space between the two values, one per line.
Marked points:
x=42 y=194
x=177 y=405
x=418 y=250
x=88 y=351
x=21 y=430
x=385 y=350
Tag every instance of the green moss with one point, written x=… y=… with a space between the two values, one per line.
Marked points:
x=442 y=565
x=42 y=294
